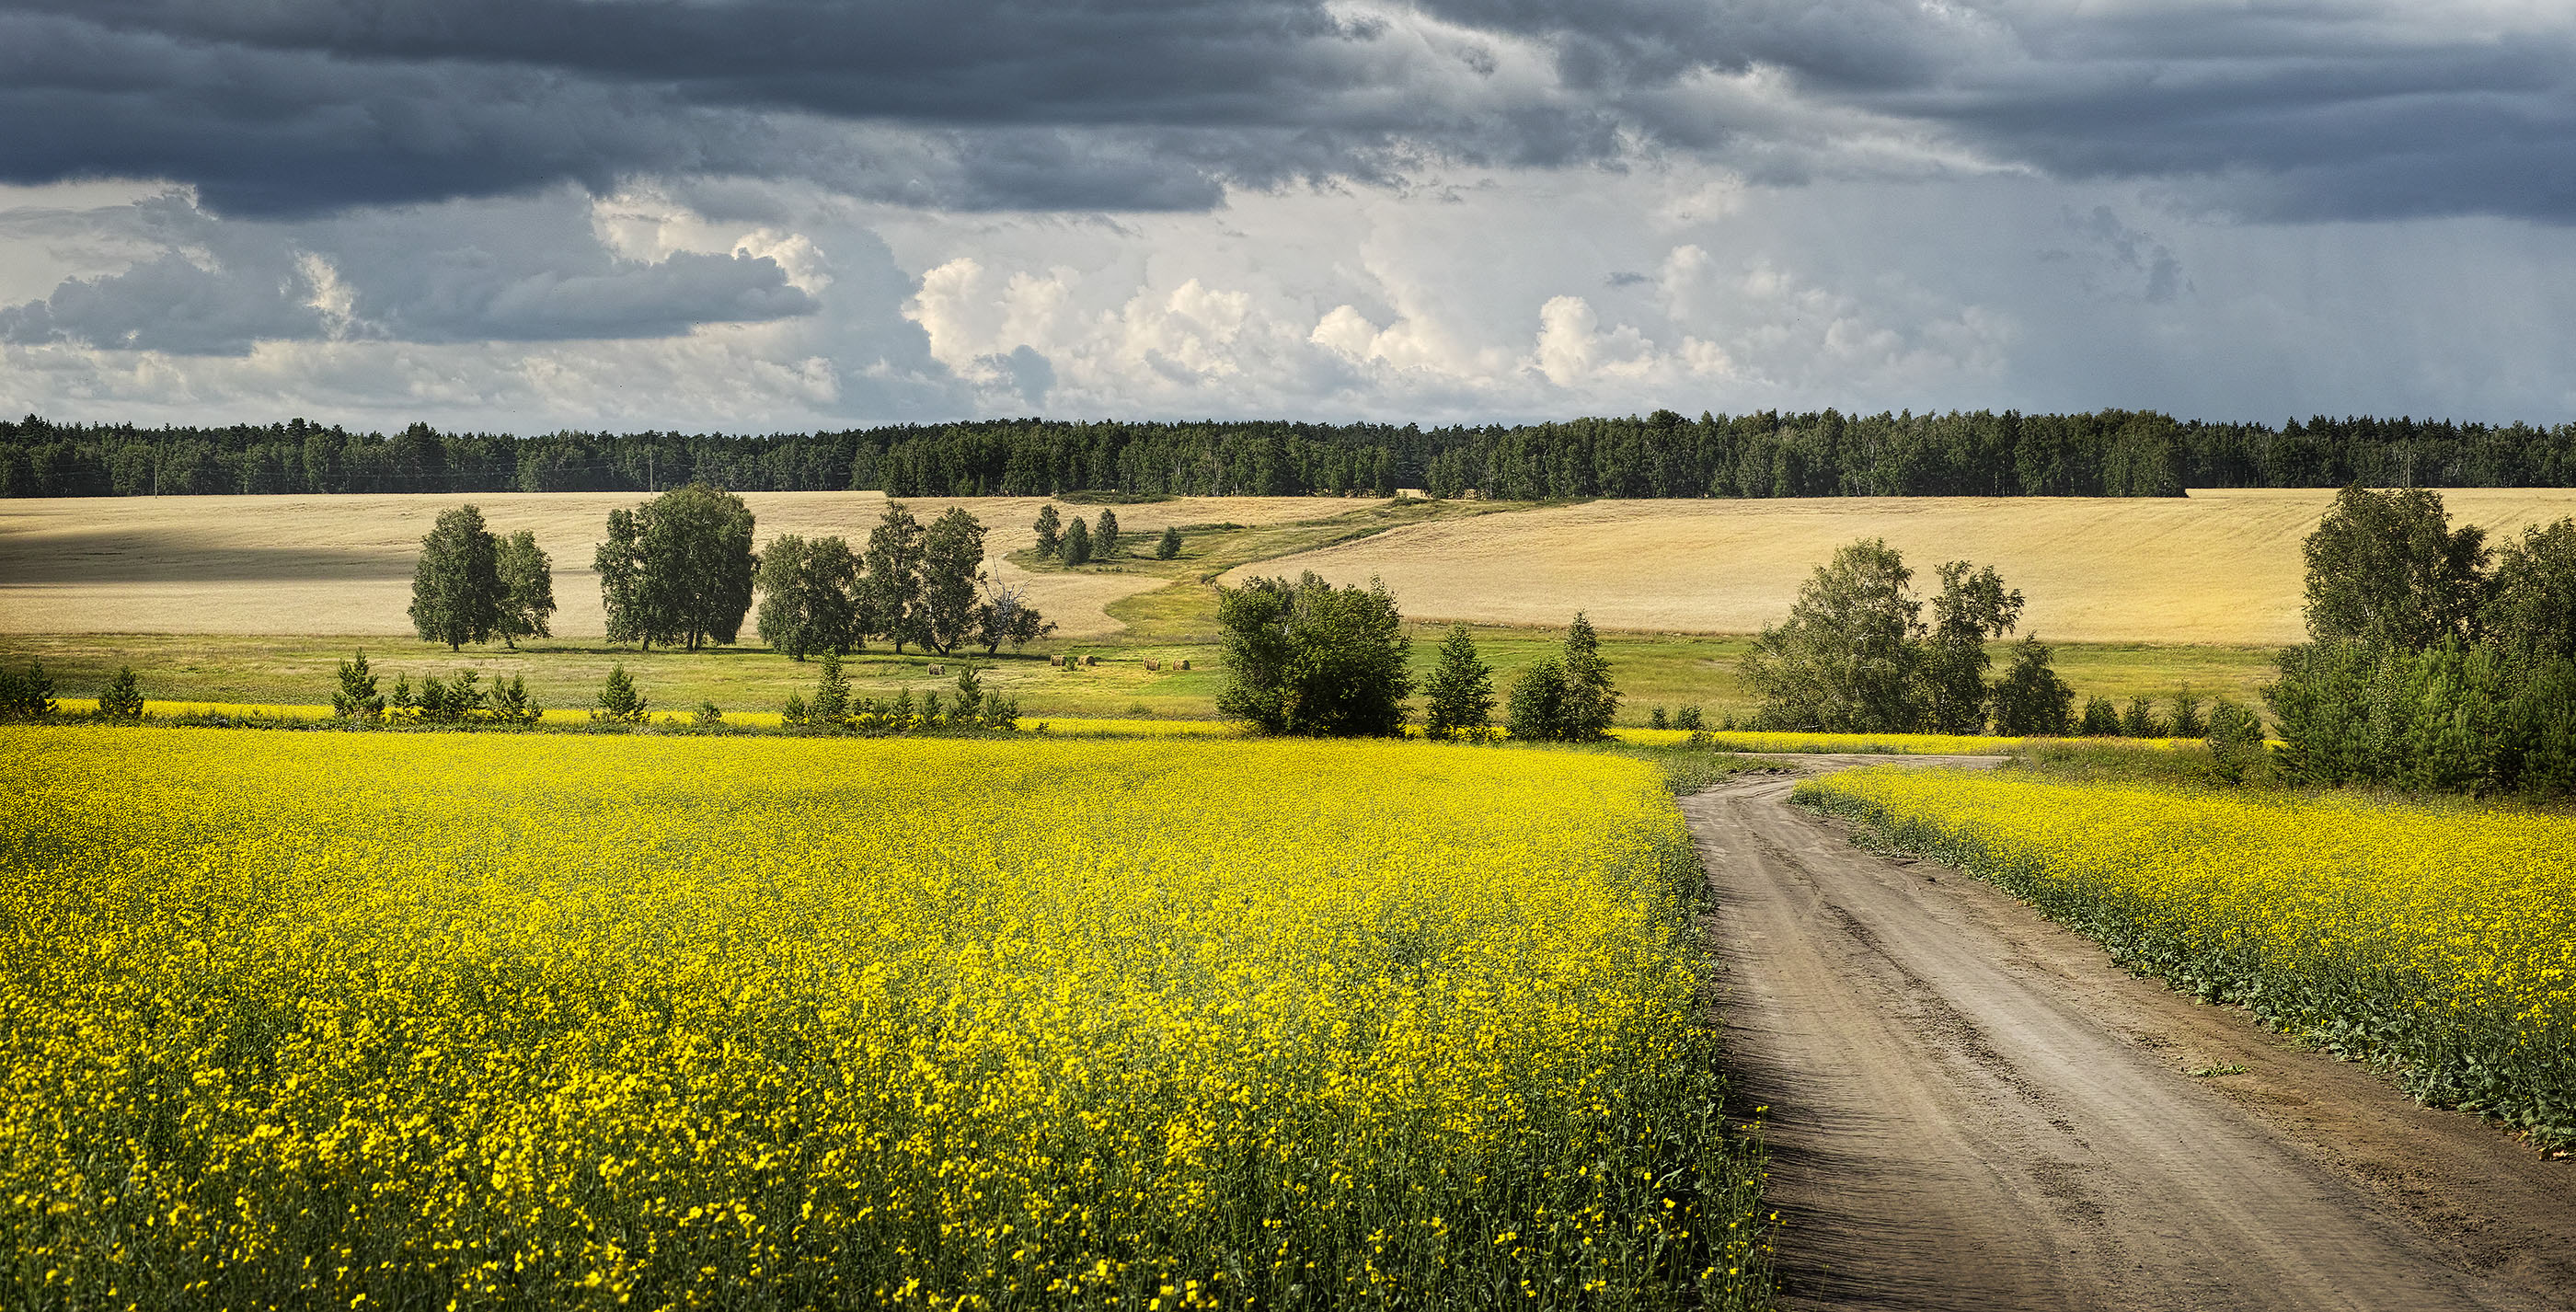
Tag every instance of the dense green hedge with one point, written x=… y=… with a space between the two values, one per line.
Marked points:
x=2471 y=717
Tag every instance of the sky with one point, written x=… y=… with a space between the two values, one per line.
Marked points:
x=769 y=215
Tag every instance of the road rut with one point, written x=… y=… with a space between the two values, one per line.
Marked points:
x=1971 y=1107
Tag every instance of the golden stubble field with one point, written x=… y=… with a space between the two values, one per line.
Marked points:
x=2215 y=567
x=342 y=564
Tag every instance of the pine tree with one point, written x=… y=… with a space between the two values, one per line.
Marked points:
x=2187 y=721
x=1077 y=543
x=28 y=696
x=1104 y=539
x=357 y=698
x=122 y=699
x=1460 y=691
x=1050 y=531
x=1168 y=545
x=620 y=701
x=2140 y=719
x=1591 y=702
x=831 y=703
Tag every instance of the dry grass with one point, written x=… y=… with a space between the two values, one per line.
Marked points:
x=341 y=565
x=2216 y=567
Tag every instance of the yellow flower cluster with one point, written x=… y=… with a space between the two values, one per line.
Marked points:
x=1883 y=744
x=559 y=1021
x=2443 y=936
x=1080 y=727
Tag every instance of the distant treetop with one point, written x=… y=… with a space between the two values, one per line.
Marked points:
x=1768 y=454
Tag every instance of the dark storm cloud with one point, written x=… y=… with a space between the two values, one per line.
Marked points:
x=301 y=106
x=166 y=304
x=513 y=272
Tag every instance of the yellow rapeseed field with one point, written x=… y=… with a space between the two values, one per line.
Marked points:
x=2440 y=936
x=1726 y=740
x=574 y=715
x=545 y=1020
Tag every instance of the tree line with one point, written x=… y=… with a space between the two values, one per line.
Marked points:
x=1663 y=454
x=2433 y=660
x=1305 y=657
x=1856 y=655
x=679 y=571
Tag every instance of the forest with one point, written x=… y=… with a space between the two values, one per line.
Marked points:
x=1768 y=454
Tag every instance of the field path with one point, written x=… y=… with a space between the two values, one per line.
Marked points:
x=1971 y=1107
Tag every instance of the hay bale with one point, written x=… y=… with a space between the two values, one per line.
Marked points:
x=1185 y=664
x=939 y=669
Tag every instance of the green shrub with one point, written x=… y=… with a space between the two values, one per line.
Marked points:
x=2187 y=721
x=2235 y=740
x=510 y=703
x=2456 y=717
x=2140 y=719
x=1536 y=712
x=28 y=696
x=2031 y=701
x=451 y=702
x=2101 y=718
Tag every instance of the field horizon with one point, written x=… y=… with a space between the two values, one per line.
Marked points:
x=254 y=599
x=2218 y=568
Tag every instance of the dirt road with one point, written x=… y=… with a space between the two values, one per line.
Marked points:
x=1971 y=1107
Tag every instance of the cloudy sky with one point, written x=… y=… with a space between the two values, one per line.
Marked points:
x=782 y=214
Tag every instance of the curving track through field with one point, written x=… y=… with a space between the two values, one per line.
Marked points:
x=1971 y=1107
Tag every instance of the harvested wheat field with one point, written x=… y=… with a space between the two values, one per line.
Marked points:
x=2214 y=567
x=342 y=564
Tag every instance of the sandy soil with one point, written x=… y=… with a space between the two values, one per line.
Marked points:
x=342 y=564
x=2215 y=567
x=1971 y=1107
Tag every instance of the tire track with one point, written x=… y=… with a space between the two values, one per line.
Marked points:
x=1972 y=1108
